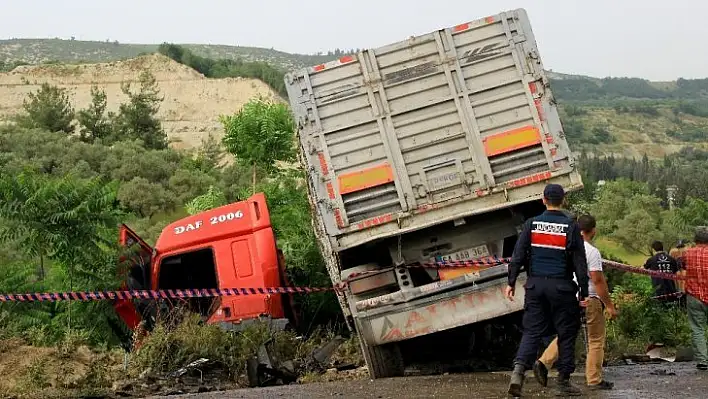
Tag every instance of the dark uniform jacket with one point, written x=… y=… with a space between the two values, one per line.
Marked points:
x=550 y=245
x=664 y=263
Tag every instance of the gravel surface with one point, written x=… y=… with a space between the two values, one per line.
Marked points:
x=664 y=380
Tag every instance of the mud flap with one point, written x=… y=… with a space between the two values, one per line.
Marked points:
x=383 y=361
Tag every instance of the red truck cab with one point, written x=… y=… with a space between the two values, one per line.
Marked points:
x=232 y=246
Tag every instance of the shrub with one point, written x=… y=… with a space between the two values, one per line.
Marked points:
x=643 y=320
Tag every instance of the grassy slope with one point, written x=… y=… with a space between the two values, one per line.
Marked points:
x=613 y=249
x=636 y=134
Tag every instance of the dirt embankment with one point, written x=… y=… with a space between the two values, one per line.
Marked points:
x=192 y=103
x=26 y=370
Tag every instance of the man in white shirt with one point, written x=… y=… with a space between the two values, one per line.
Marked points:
x=598 y=300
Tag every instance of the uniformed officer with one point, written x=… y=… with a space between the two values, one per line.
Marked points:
x=551 y=249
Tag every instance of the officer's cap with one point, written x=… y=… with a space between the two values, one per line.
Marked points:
x=554 y=192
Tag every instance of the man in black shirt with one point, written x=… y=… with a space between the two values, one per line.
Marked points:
x=664 y=263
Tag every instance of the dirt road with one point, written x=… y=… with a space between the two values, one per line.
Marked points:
x=664 y=380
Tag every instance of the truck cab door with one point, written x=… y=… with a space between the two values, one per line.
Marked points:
x=139 y=261
x=137 y=277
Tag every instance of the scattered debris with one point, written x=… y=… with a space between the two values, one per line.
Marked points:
x=266 y=369
x=320 y=357
x=183 y=370
x=660 y=352
x=633 y=359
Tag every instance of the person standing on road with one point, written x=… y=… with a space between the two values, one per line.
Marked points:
x=551 y=249
x=695 y=260
x=664 y=263
x=598 y=300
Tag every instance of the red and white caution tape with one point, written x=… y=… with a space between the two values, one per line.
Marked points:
x=636 y=270
x=155 y=294
x=218 y=292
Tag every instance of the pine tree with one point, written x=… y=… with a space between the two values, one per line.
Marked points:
x=137 y=119
x=49 y=108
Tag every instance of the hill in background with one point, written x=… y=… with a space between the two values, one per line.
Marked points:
x=37 y=51
x=189 y=113
x=623 y=116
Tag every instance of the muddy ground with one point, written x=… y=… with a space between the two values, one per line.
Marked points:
x=663 y=380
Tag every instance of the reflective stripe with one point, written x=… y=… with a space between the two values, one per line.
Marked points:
x=545 y=240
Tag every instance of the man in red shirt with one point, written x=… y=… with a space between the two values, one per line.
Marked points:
x=695 y=260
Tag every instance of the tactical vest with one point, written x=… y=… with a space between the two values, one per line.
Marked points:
x=550 y=234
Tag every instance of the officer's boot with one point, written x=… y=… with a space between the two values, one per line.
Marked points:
x=517 y=380
x=566 y=388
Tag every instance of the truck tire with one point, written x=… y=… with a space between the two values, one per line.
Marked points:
x=383 y=361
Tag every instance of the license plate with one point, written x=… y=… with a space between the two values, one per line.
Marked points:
x=465 y=254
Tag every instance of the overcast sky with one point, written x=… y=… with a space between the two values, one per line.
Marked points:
x=658 y=40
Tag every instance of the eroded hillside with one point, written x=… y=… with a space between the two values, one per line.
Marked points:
x=192 y=103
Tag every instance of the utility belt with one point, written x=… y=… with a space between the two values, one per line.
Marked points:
x=566 y=275
x=552 y=277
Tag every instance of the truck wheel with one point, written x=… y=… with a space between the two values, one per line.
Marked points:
x=383 y=361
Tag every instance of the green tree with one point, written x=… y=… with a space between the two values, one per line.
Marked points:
x=680 y=223
x=49 y=108
x=71 y=223
x=628 y=214
x=189 y=183
x=210 y=155
x=144 y=198
x=137 y=119
x=261 y=133
x=94 y=123
x=64 y=219
x=213 y=198
x=127 y=160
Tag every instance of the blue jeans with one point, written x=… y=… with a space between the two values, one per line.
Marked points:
x=697 y=320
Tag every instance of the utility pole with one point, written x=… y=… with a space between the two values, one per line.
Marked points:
x=671 y=196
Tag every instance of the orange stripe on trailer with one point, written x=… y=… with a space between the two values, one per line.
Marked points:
x=549 y=139
x=375 y=221
x=338 y=218
x=366 y=178
x=539 y=109
x=319 y=67
x=511 y=140
x=533 y=88
x=346 y=58
x=524 y=181
x=449 y=274
x=323 y=163
x=330 y=191
x=489 y=20
x=461 y=27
